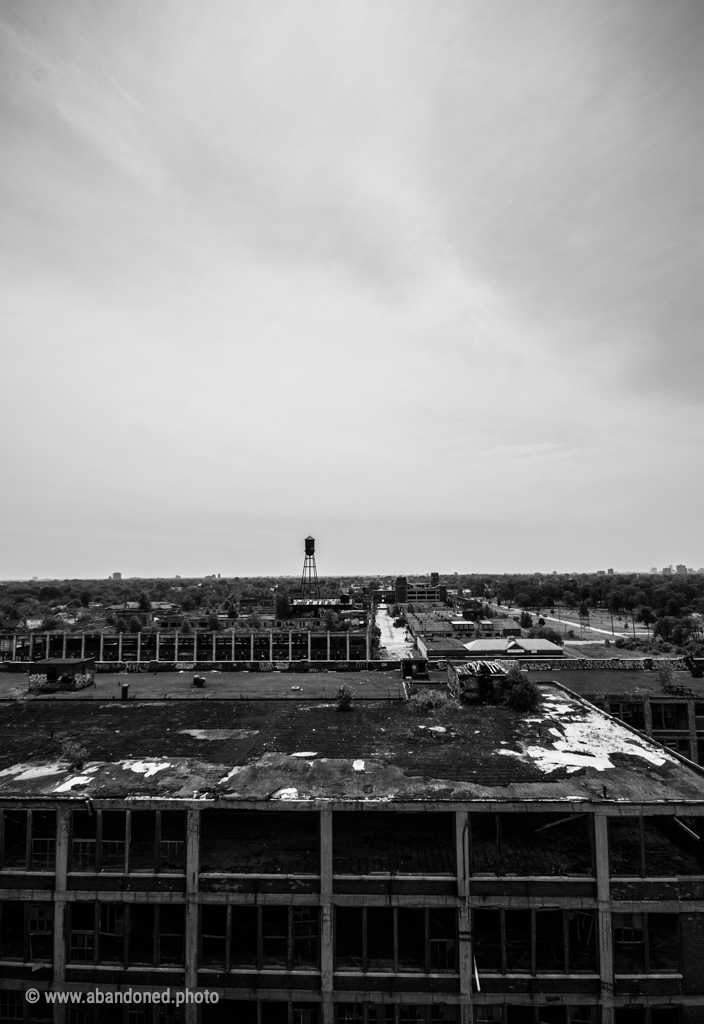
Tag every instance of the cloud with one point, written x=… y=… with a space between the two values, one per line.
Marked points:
x=357 y=263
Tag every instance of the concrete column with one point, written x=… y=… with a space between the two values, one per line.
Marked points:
x=139 y=646
x=691 y=720
x=60 y=922
x=328 y=645
x=215 y=640
x=271 y=645
x=466 y=962
x=308 y=645
x=326 y=916
x=192 y=870
x=603 y=892
x=119 y=647
x=348 y=645
x=233 y=646
x=648 y=716
x=251 y=646
x=83 y=645
x=63 y=655
x=102 y=638
x=14 y=647
x=156 y=653
x=290 y=646
x=176 y=646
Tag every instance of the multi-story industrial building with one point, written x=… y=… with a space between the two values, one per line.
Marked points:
x=306 y=865
x=198 y=648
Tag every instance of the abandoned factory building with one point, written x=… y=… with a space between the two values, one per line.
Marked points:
x=311 y=866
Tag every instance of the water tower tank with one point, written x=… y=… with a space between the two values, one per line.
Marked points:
x=310 y=545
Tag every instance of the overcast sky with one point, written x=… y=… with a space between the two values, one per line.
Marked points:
x=421 y=279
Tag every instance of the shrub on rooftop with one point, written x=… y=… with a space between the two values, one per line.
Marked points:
x=524 y=696
x=426 y=701
x=344 y=698
x=514 y=677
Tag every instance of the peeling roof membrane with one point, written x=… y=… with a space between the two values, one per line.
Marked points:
x=220 y=734
x=587 y=739
x=146 y=768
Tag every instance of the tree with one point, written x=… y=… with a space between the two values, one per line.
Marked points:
x=583 y=610
x=134 y=625
x=283 y=606
x=525 y=620
x=85 y=598
x=186 y=627
x=547 y=633
x=664 y=627
x=568 y=599
x=121 y=626
x=647 y=616
x=213 y=622
x=145 y=604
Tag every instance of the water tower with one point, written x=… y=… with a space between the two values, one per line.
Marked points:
x=309 y=580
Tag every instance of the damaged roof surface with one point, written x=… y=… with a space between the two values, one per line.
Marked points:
x=617 y=682
x=258 y=751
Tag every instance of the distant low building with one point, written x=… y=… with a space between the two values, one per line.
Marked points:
x=512 y=647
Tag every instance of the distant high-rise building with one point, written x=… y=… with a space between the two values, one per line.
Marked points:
x=681 y=570
x=609 y=572
x=401 y=590
x=653 y=569
x=116 y=576
x=667 y=571
x=434 y=579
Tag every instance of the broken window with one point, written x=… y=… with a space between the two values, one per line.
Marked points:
x=15 y=839
x=535 y=941
x=142 y=841
x=380 y=938
x=141 y=933
x=157 y=841
x=29 y=840
x=81 y=932
x=282 y=937
x=631 y=714
x=112 y=840
x=645 y=943
x=531 y=844
x=43 y=847
x=171 y=934
x=654 y=846
x=40 y=931
x=388 y=843
x=518 y=940
x=648 y=1014
x=670 y=716
x=213 y=936
x=172 y=841
x=244 y=842
x=395 y=939
x=11 y=930
x=245 y=936
x=111 y=933
x=83 y=840
x=229 y=1011
x=391 y=1013
x=512 y=1014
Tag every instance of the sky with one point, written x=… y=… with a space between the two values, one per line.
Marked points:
x=421 y=279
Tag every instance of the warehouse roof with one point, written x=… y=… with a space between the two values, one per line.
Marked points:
x=256 y=752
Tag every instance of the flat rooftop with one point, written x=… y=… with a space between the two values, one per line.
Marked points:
x=566 y=752
x=241 y=685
